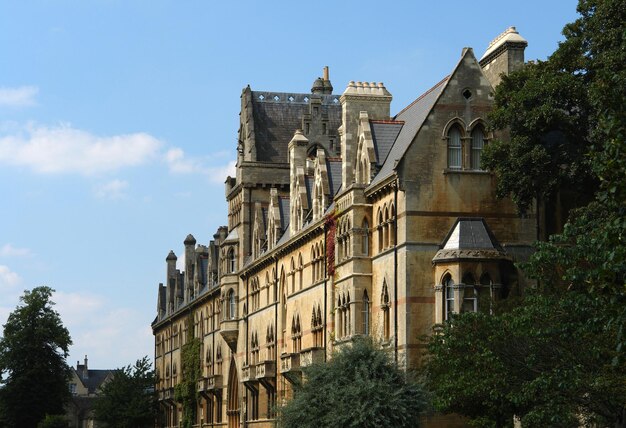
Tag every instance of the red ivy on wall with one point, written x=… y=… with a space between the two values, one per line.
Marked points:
x=331 y=226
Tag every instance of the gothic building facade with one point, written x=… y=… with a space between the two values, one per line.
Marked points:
x=343 y=220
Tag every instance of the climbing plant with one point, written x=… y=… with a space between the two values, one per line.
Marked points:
x=185 y=392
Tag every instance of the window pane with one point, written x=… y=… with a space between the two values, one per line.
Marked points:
x=454 y=148
x=478 y=142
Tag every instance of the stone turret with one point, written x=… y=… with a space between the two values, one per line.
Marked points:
x=504 y=55
x=297 y=166
x=190 y=243
x=359 y=96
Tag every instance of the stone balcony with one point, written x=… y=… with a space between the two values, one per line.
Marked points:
x=290 y=367
x=266 y=369
x=229 y=329
x=168 y=394
x=266 y=374
x=248 y=374
x=311 y=356
x=214 y=383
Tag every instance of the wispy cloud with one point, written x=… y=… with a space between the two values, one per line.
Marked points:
x=65 y=149
x=179 y=163
x=8 y=250
x=112 y=190
x=8 y=278
x=98 y=325
x=22 y=96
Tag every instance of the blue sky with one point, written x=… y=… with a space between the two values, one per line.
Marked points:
x=119 y=118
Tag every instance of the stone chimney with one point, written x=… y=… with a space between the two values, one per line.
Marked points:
x=322 y=85
x=85 y=369
x=358 y=97
x=504 y=55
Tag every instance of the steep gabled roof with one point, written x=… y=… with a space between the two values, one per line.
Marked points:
x=384 y=134
x=334 y=175
x=413 y=116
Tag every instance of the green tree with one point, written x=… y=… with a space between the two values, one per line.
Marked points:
x=359 y=386
x=127 y=400
x=547 y=361
x=34 y=374
x=53 y=421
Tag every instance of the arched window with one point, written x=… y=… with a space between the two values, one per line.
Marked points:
x=300 y=267
x=380 y=230
x=478 y=143
x=385 y=307
x=366 y=313
x=232 y=267
x=454 y=148
x=470 y=294
x=365 y=243
x=232 y=305
x=448 y=285
x=293 y=276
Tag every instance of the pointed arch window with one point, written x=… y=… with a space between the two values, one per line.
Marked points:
x=366 y=313
x=477 y=145
x=385 y=307
x=454 y=148
x=365 y=247
x=232 y=262
x=470 y=294
x=448 y=285
x=232 y=305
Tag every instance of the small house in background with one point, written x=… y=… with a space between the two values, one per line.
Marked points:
x=85 y=386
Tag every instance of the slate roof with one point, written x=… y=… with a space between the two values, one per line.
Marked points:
x=470 y=234
x=413 y=116
x=283 y=206
x=333 y=167
x=277 y=115
x=384 y=134
x=94 y=378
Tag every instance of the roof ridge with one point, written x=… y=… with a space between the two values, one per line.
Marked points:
x=423 y=95
x=386 y=121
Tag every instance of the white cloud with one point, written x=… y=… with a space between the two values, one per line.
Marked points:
x=64 y=149
x=219 y=174
x=9 y=250
x=178 y=163
x=8 y=278
x=22 y=96
x=115 y=189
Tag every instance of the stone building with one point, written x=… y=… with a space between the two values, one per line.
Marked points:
x=85 y=387
x=343 y=220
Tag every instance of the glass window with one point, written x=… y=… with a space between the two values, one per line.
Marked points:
x=454 y=148
x=478 y=143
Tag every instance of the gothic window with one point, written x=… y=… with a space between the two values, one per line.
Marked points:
x=296 y=334
x=454 y=148
x=391 y=233
x=365 y=243
x=232 y=305
x=380 y=231
x=448 y=286
x=366 y=313
x=232 y=263
x=477 y=145
x=254 y=349
x=316 y=327
x=267 y=288
x=293 y=275
x=385 y=307
x=347 y=315
x=470 y=294
x=283 y=308
x=271 y=343
x=300 y=267
x=314 y=263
